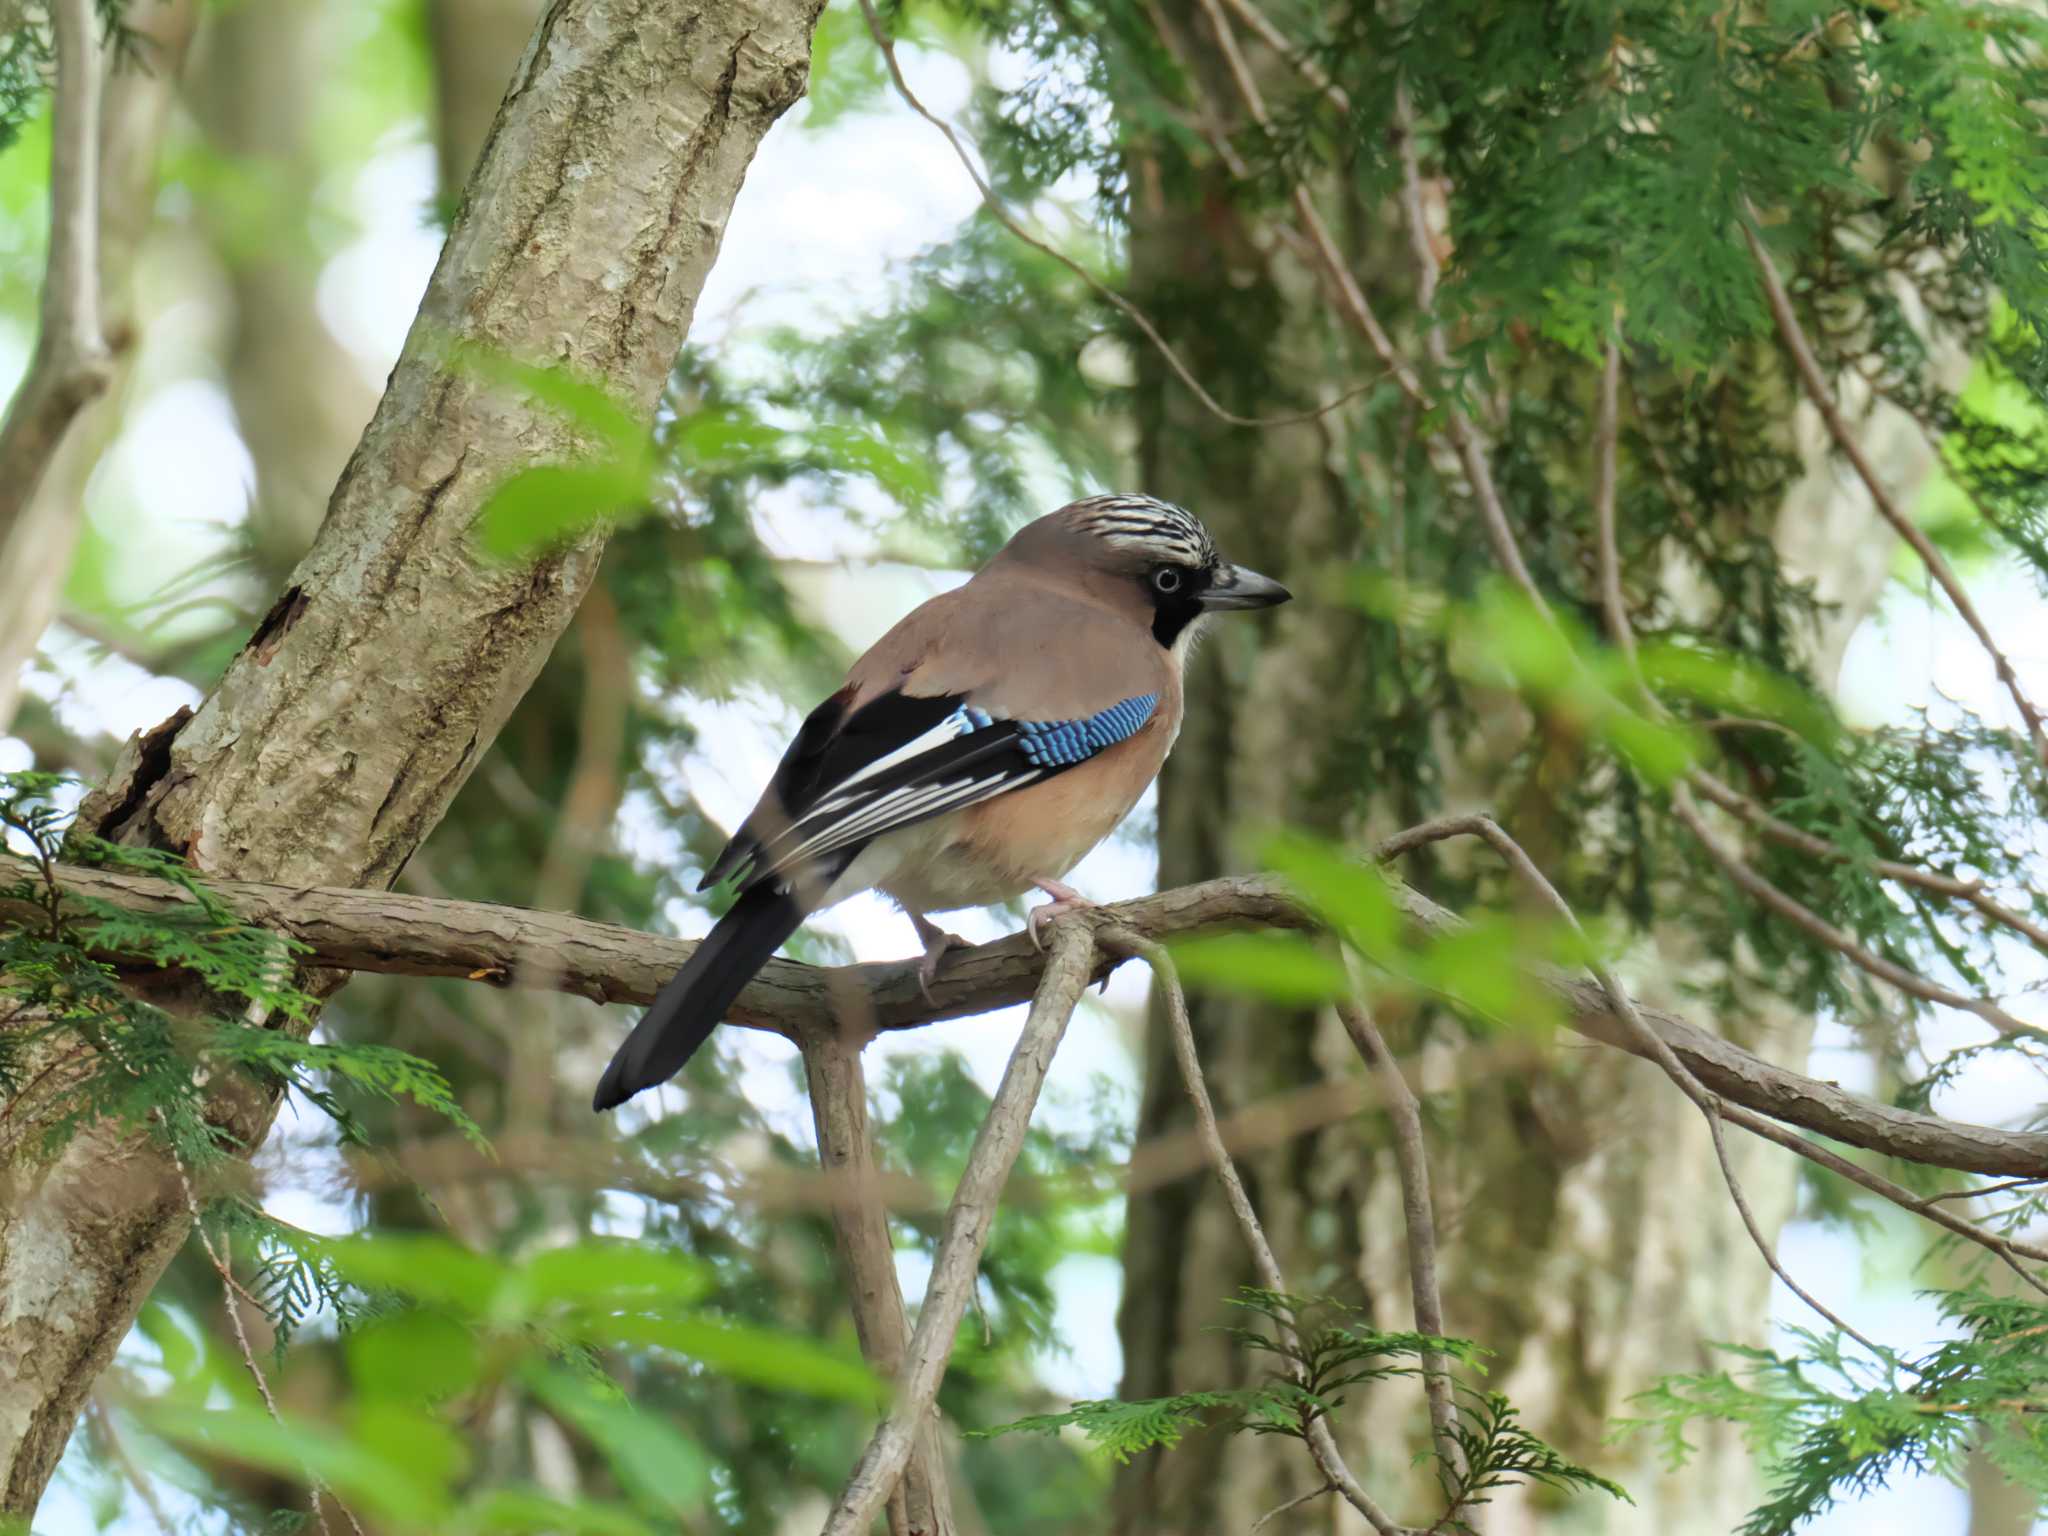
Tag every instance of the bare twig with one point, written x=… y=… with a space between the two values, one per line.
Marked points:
x=233 y=1307
x=1880 y=494
x=1124 y=306
x=1294 y=1503
x=71 y=364
x=1411 y=1159
x=1322 y=1444
x=919 y=1505
x=1606 y=438
x=406 y=935
x=995 y=1150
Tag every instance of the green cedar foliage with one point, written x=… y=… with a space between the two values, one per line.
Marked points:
x=1324 y=1354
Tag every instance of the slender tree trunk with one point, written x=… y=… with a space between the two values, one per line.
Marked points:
x=35 y=553
x=338 y=736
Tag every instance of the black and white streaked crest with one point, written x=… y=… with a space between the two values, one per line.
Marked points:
x=1157 y=528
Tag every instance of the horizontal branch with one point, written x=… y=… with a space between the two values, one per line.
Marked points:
x=511 y=946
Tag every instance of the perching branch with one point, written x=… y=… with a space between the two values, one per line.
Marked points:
x=70 y=365
x=421 y=936
x=968 y=1220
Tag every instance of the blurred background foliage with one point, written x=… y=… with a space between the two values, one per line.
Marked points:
x=883 y=383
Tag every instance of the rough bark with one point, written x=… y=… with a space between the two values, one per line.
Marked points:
x=339 y=734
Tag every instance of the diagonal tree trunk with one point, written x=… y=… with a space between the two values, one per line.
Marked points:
x=338 y=736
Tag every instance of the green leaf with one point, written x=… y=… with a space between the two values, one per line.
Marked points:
x=614 y=1273
x=415 y=1355
x=761 y=1356
x=425 y=1267
x=661 y=1469
x=550 y=503
x=361 y=1475
x=1282 y=967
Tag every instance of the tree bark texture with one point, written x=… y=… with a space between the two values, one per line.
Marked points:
x=1584 y=1232
x=338 y=736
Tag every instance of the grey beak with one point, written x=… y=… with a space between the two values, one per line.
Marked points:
x=1236 y=587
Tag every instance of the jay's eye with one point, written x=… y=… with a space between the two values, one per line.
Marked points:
x=1166 y=579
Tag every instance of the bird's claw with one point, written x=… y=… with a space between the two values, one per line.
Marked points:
x=1065 y=899
x=936 y=942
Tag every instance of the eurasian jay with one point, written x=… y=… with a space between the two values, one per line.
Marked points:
x=980 y=748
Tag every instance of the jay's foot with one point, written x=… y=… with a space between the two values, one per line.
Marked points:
x=1065 y=899
x=936 y=942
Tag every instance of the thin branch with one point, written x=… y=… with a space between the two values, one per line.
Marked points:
x=1974 y=892
x=1464 y=436
x=71 y=363
x=1294 y=1503
x=1322 y=1444
x=995 y=1150
x=1411 y=1160
x=1606 y=439
x=2009 y=1249
x=383 y=931
x=1296 y=58
x=1880 y=494
x=1124 y=306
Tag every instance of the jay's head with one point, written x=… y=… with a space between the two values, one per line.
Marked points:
x=1149 y=558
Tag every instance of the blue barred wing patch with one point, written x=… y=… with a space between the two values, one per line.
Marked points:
x=1062 y=743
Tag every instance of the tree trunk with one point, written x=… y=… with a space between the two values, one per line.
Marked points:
x=339 y=734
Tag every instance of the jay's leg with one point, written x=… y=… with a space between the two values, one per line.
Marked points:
x=936 y=942
x=1065 y=899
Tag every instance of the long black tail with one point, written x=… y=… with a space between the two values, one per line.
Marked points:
x=694 y=1000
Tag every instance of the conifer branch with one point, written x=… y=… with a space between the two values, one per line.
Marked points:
x=1103 y=290
x=1794 y=337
